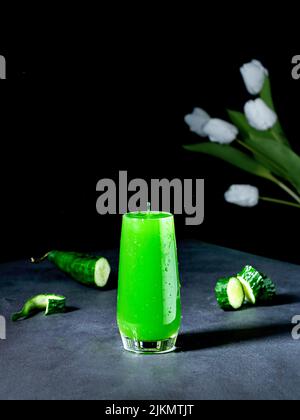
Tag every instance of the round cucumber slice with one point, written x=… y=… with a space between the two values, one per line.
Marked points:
x=249 y=295
x=102 y=272
x=230 y=293
x=235 y=293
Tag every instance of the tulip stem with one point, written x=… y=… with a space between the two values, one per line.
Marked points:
x=277 y=201
x=287 y=190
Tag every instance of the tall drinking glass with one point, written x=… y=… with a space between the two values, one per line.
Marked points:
x=148 y=309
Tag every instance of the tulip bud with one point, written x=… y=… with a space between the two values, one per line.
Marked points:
x=220 y=131
x=259 y=115
x=254 y=75
x=242 y=195
x=197 y=120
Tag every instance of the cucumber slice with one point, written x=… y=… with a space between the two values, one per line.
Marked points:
x=229 y=293
x=252 y=282
x=268 y=290
x=102 y=272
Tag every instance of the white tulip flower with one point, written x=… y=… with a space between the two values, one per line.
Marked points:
x=254 y=75
x=220 y=131
x=197 y=120
x=242 y=195
x=259 y=115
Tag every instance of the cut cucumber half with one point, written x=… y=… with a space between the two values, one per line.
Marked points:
x=230 y=293
x=252 y=282
x=87 y=269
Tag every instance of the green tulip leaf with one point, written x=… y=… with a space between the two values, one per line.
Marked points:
x=279 y=156
x=233 y=156
x=266 y=95
x=267 y=163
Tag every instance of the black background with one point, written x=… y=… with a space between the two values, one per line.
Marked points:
x=80 y=108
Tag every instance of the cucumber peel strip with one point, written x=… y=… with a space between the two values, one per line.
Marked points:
x=50 y=303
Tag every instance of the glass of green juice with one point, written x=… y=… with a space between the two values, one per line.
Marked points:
x=148 y=307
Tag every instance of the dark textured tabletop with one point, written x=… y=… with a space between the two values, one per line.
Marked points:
x=249 y=354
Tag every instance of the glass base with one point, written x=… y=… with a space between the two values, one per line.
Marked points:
x=149 y=347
